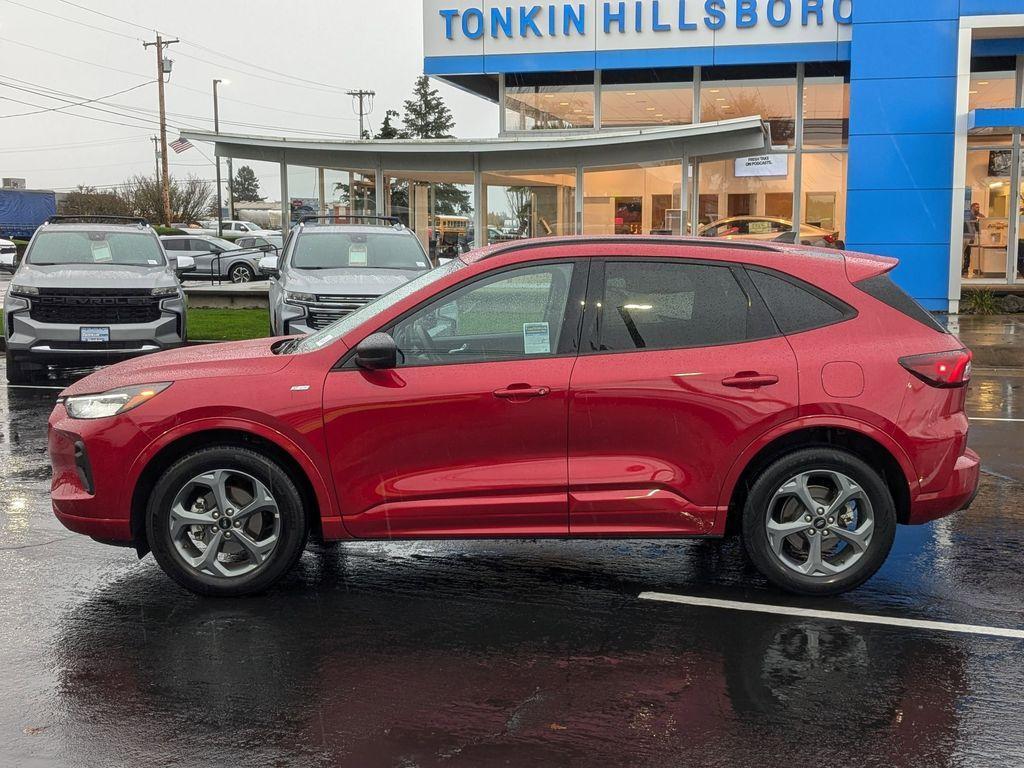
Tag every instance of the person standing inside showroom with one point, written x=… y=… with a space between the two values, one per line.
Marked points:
x=972 y=233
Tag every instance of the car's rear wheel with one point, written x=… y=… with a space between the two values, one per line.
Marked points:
x=241 y=273
x=226 y=521
x=17 y=373
x=819 y=522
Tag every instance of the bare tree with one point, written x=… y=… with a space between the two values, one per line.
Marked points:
x=89 y=201
x=190 y=199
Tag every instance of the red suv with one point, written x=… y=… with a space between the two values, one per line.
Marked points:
x=570 y=388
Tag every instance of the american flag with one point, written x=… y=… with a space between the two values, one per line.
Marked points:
x=181 y=145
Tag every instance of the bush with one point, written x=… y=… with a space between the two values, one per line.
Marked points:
x=169 y=230
x=979 y=303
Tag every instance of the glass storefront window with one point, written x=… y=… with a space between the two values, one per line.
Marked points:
x=826 y=107
x=635 y=200
x=824 y=195
x=631 y=98
x=993 y=86
x=549 y=101
x=987 y=210
x=528 y=204
x=746 y=188
x=726 y=94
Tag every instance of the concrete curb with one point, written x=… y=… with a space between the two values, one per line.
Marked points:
x=998 y=356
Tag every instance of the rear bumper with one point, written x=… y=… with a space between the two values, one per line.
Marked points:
x=958 y=494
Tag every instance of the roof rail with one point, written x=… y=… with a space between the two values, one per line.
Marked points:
x=392 y=220
x=702 y=242
x=98 y=219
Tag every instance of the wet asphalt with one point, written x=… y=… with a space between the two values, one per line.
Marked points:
x=518 y=653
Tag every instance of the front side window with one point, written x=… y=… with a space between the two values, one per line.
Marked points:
x=132 y=249
x=661 y=305
x=512 y=315
x=387 y=249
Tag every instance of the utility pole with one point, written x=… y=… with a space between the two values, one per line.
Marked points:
x=162 y=67
x=365 y=107
x=367 y=97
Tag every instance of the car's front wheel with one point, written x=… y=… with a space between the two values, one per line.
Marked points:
x=819 y=521
x=226 y=521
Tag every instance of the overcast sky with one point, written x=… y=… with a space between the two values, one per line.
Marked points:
x=332 y=44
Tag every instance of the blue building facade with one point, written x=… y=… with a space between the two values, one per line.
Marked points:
x=895 y=123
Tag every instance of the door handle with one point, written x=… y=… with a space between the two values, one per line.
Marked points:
x=521 y=391
x=750 y=381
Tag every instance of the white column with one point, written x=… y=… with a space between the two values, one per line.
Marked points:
x=479 y=204
x=286 y=206
x=379 y=188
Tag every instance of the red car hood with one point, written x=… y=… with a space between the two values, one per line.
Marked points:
x=237 y=358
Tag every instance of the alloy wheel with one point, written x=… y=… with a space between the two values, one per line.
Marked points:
x=820 y=523
x=241 y=275
x=224 y=523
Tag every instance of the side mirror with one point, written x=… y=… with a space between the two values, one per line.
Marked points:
x=269 y=267
x=184 y=264
x=377 y=352
x=7 y=262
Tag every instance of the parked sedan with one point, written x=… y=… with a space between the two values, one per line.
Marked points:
x=215 y=257
x=568 y=388
x=768 y=228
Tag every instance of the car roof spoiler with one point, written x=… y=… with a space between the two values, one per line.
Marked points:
x=863 y=266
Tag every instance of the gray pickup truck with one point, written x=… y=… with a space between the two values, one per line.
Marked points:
x=91 y=290
x=329 y=269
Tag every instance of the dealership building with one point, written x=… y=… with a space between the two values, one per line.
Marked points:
x=893 y=125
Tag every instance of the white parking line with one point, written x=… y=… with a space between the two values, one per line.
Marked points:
x=981 y=418
x=32 y=386
x=859 y=618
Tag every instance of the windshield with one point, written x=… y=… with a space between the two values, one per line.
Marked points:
x=132 y=249
x=226 y=245
x=339 y=328
x=388 y=249
x=275 y=240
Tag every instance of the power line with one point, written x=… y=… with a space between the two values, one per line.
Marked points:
x=76 y=104
x=75 y=145
x=106 y=15
x=83 y=117
x=175 y=85
x=73 y=21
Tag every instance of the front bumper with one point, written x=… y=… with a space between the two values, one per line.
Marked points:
x=45 y=342
x=88 y=489
x=958 y=494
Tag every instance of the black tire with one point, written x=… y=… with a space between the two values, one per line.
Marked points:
x=16 y=372
x=292 y=536
x=759 y=502
x=244 y=271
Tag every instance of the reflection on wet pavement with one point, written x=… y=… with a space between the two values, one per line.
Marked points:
x=504 y=653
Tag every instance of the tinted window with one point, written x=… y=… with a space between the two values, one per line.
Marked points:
x=885 y=290
x=651 y=305
x=510 y=315
x=797 y=307
x=124 y=248
x=174 y=245
x=380 y=250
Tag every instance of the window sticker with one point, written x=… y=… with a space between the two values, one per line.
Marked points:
x=536 y=339
x=101 y=252
x=357 y=255
x=151 y=262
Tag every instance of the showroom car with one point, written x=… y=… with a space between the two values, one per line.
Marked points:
x=330 y=269
x=566 y=388
x=769 y=228
x=91 y=289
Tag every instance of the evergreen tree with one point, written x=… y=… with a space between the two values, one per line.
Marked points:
x=426 y=115
x=246 y=187
x=388 y=129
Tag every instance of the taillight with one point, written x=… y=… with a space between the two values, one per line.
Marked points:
x=941 y=369
x=830 y=239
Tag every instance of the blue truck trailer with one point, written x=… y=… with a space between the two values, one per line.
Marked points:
x=23 y=210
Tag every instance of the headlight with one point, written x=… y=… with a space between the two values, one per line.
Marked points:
x=24 y=290
x=308 y=298
x=112 y=402
x=170 y=290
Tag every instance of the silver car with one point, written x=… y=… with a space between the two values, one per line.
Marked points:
x=215 y=257
x=768 y=228
x=328 y=271
x=91 y=290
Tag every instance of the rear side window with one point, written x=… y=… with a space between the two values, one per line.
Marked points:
x=662 y=305
x=882 y=287
x=796 y=306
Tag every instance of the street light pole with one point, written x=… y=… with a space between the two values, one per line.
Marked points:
x=216 y=129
